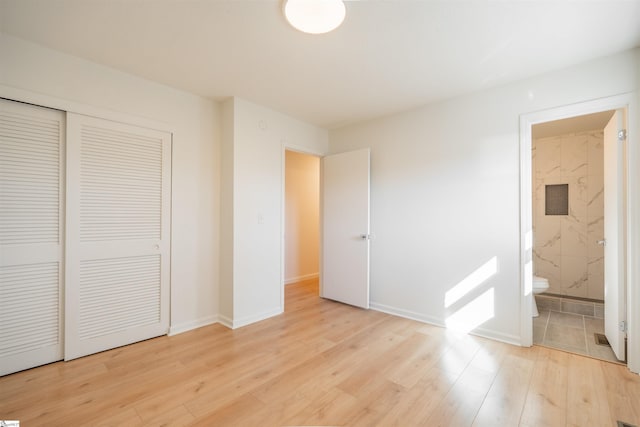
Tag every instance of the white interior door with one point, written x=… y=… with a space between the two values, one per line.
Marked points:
x=614 y=250
x=31 y=219
x=345 y=228
x=118 y=225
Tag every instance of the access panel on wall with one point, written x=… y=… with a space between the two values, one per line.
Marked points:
x=31 y=234
x=118 y=225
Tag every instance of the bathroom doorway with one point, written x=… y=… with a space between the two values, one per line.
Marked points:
x=568 y=219
x=630 y=267
x=301 y=221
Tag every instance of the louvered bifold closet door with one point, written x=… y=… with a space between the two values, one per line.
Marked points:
x=118 y=242
x=31 y=218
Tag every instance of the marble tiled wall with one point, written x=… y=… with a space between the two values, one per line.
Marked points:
x=565 y=247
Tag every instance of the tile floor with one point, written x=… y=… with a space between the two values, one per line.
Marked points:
x=571 y=332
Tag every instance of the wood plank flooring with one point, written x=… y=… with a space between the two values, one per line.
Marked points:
x=324 y=363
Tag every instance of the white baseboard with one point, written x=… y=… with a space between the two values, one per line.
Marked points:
x=301 y=278
x=234 y=324
x=481 y=332
x=225 y=321
x=193 y=324
x=407 y=314
x=497 y=336
x=238 y=323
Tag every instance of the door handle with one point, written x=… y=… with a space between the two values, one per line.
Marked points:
x=365 y=236
x=602 y=242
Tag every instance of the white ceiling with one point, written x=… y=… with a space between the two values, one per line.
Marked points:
x=388 y=56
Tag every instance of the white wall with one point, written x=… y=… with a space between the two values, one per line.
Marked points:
x=260 y=136
x=302 y=216
x=445 y=192
x=195 y=165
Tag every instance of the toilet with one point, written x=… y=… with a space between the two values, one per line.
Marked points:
x=540 y=285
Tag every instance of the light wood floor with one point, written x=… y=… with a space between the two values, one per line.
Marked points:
x=324 y=363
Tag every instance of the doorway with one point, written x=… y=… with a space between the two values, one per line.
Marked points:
x=628 y=266
x=568 y=214
x=341 y=193
x=302 y=220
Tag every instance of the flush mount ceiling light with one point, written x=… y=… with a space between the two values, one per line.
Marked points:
x=314 y=16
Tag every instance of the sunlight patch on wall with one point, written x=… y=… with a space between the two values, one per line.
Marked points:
x=528 y=240
x=528 y=265
x=471 y=282
x=473 y=314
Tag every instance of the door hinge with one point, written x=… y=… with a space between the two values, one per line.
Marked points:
x=622 y=134
x=623 y=326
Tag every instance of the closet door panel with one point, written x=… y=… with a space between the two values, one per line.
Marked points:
x=118 y=228
x=31 y=212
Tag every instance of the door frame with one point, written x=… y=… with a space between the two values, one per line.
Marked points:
x=286 y=146
x=627 y=101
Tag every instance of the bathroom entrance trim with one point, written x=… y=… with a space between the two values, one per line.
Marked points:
x=628 y=101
